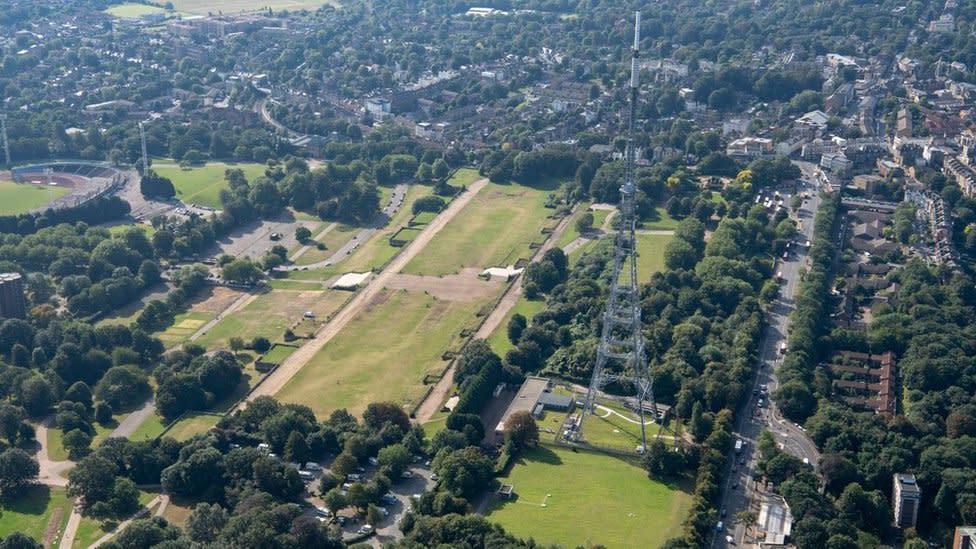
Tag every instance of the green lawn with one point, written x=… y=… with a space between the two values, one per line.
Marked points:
x=116 y=230
x=202 y=185
x=133 y=10
x=650 y=254
x=333 y=240
x=185 y=325
x=278 y=354
x=32 y=511
x=498 y=340
x=55 y=448
x=571 y=234
x=192 y=424
x=660 y=221
x=148 y=429
x=464 y=177
x=383 y=354
x=18 y=198
x=494 y=229
x=589 y=498
x=91 y=530
x=271 y=313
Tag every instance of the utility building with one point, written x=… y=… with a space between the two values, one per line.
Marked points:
x=12 y=304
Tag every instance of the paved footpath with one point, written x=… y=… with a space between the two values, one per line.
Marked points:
x=277 y=380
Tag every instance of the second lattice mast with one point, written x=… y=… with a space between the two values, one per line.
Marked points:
x=621 y=360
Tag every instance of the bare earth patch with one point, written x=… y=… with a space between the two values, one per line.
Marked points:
x=464 y=286
x=51 y=530
x=218 y=299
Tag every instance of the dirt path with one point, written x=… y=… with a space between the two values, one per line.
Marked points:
x=655 y=232
x=283 y=374
x=71 y=528
x=51 y=472
x=301 y=251
x=464 y=286
x=433 y=401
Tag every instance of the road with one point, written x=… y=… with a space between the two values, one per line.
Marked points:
x=740 y=491
x=396 y=200
x=283 y=374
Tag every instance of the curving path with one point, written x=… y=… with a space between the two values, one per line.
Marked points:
x=51 y=472
x=283 y=374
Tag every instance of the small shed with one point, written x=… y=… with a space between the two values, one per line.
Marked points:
x=505 y=491
x=451 y=403
x=350 y=281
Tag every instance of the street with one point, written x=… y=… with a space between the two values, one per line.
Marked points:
x=737 y=492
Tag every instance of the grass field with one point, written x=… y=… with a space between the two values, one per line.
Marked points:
x=278 y=354
x=571 y=234
x=204 y=7
x=271 y=313
x=192 y=424
x=498 y=340
x=18 y=198
x=650 y=254
x=589 y=499
x=56 y=449
x=184 y=326
x=90 y=530
x=116 y=230
x=32 y=512
x=202 y=185
x=133 y=10
x=148 y=429
x=364 y=364
x=661 y=220
x=494 y=229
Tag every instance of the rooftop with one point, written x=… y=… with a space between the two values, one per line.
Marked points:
x=526 y=399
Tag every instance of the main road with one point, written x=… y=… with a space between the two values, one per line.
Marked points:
x=739 y=490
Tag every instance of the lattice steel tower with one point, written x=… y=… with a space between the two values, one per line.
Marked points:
x=620 y=356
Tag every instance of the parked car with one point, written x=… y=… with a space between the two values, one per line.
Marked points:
x=365 y=529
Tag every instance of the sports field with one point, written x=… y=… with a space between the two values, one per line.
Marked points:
x=204 y=7
x=133 y=10
x=494 y=229
x=184 y=326
x=18 y=198
x=271 y=313
x=40 y=512
x=202 y=185
x=383 y=353
x=585 y=498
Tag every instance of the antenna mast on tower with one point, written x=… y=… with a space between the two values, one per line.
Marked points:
x=145 y=156
x=620 y=356
x=6 y=144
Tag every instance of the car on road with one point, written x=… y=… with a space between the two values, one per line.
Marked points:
x=406 y=474
x=730 y=540
x=735 y=485
x=720 y=526
x=365 y=529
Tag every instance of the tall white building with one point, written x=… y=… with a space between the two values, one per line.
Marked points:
x=906 y=498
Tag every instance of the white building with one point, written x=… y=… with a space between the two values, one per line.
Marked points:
x=906 y=498
x=945 y=23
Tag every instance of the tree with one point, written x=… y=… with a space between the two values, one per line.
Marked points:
x=795 y=401
x=242 y=271
x=746 y=518
x=122 y=386
x=395 y=457
x=125 y=497
x=334 y=500
x=79 y=392
x=585 y=223
x=296 y=448
x=206 y=522
x=260 y=344
x=378 y=414
x=344 y=464
x=19 y=540
x=302 y=234
x=679 y=254
x=76 y=442
x=17 y=470
x=516 y=326
x=441 y=169
x=465 y=472
x=429 y=203
x=521 y=427
x=373 y=515
x=156 y=186
x=93 y=479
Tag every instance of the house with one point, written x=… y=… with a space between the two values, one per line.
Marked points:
x=534 y=392
x=775 y=522
x=749 y=147
x=945 y=23
x=964 y=537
